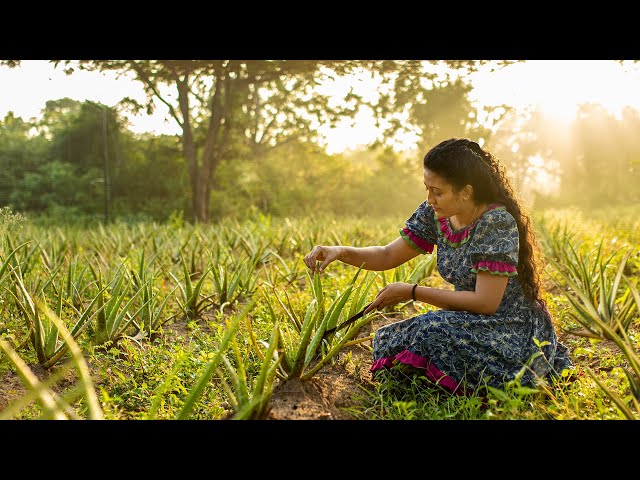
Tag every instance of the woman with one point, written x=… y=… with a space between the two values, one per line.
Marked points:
x=495 y=321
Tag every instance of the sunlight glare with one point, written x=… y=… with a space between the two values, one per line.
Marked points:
x=558 y=87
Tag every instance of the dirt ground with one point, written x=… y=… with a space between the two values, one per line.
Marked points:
x=328 y=392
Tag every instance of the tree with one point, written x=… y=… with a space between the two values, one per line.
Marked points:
x=85 y=135
x=220 y=105
x=431 y=98
x=236 y=108
x=256 y=104
x=446 y=112
x=600 y=171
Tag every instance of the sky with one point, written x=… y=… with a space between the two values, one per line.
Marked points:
x=555 y=86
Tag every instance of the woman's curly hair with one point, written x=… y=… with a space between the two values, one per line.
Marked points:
x=461 y=161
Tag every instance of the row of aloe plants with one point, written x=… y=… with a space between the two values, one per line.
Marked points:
x=110 y=301
x=129 y=298
x=249 y=395
x=605 y=301
x=62 y=406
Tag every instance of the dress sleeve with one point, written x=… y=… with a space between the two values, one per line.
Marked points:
x=420 y=229
x=495 y=243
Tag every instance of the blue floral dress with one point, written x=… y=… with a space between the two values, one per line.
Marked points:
x=459 y=348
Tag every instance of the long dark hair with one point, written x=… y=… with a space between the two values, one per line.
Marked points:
x=461 y=161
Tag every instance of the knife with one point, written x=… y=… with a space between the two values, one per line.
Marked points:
x=347 y=322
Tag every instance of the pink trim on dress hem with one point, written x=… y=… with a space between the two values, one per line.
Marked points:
x=432 y=372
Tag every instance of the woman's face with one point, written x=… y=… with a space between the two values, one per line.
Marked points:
x=441 y=195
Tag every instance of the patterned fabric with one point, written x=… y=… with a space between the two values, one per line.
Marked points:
x=466 y=348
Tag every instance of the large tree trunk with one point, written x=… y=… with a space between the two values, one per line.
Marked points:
x=190 y=148
x=201 y=173
x=214 y=145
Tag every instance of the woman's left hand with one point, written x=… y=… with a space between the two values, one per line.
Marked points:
x=390 y=295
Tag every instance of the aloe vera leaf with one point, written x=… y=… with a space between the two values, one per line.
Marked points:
x=203 y=380
x=265 y=369
x=305 y=334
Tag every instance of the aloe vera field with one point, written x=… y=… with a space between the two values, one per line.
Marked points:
x=135 y=321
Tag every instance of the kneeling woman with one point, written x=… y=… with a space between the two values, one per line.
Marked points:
x=495 y=320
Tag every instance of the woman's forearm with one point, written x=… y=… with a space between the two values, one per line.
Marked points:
x=469 y=301
x=375 y=257
x=370 y=258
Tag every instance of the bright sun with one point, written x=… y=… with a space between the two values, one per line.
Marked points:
x=558 y=87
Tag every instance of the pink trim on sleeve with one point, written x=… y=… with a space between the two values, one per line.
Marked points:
x=501 y=268
x=417 y=241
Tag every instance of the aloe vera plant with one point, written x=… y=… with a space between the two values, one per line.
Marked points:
x=9 y=265
x=151 y=315
x=624 y=343
x=45 y=334
x=305 y=355
x=556 y=240
x=287 y=273
x=115 y=306
x=250 y=398
x=415 y=271
x=74 y=290
x=604 y=304
x=212 y=366
x=37 y=391
x=193 y=302
x=567 y=255
x=226 y=283
x=25 y=262
x=53 y=259
x=255 y=249
x=54 y=405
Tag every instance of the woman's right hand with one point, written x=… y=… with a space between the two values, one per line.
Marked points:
x=323 y=254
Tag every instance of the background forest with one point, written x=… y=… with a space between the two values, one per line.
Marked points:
x=253 y=147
